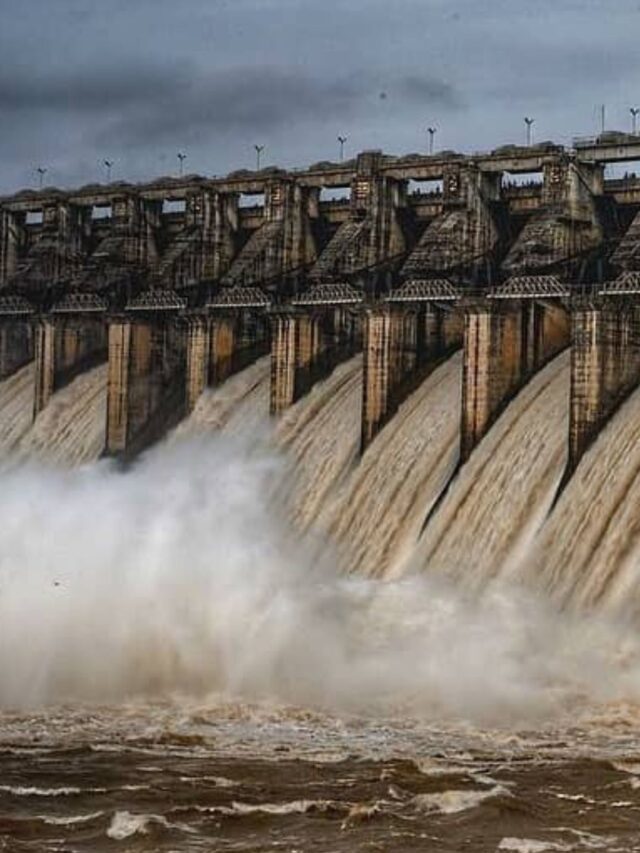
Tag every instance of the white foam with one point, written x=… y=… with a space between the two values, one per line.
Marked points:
x=453 y=801
x=530 y=845
x=72 y=820
x=33 y=791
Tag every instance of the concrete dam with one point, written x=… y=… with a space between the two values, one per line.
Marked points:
x=447 y=345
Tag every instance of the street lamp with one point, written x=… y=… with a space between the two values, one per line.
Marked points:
x=41 y=173
x=634 y=115
x=528 y=121
x=107 y=165
x=181 y=158
x=342 y=140
x=259 y=150
x=432 y=132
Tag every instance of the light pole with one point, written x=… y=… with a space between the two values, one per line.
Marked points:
x=634 y=116
x=107 y=165
x=259 y=150
x=432 y=132
x=41 y=173
x=181 y=158
x=342 y=140
x=528 y=121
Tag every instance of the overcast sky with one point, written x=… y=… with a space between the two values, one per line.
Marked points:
x=136 y=81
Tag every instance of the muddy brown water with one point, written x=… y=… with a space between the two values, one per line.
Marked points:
x=226 y=777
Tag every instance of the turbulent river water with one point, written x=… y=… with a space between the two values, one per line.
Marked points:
x=254 y=639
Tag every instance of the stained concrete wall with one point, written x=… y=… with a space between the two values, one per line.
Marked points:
x=305 y=346
x=64 y=347
x=504 y=344
x=16 y=345
x=401 y=345
x=147 y=385
x=605 y=366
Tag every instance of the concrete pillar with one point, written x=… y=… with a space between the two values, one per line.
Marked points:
x=197 y=354
x=283 y=361
x=297 y=348
x=118 y=386
x=492 y=368
x=385 y=360
x=605 y=367
x=44 y=364
x=223 y=342
x=504 y=344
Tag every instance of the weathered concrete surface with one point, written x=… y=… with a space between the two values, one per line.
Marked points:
x=146 y=382
x=401 y=345
x=16 y=345
x=64 y=348
x=198 y=344
x=503 y=346
x=305 y=346
x=605 y=367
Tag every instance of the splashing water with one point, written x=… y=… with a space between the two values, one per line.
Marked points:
x=489 y=517
x=178 y=575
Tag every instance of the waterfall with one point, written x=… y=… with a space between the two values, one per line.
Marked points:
x=321 y=435
x=240 y=403
x=588 y=551
x=70 y=430
x=379 y=512
x=487 y=521
x=16 y=407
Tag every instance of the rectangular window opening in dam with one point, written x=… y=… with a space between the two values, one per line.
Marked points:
x=251 y=200
x=522 y=179
x=627 y=171
x=173 y=205
x=425 y=188
x=335 y=195
x=34 y=217
x=102 y=211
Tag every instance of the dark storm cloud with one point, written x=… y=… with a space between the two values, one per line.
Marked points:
x=137 y=103
x=137 y=80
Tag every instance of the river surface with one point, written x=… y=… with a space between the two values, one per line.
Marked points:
x=226 y=776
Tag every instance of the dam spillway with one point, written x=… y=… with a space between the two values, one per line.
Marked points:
x=438 y=361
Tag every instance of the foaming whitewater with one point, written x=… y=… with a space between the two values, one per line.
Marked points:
x=16 y=407
x=180 y=575
x=488 y=519
x=378 y=515
x=321 y=435
x=70 y=430
x=588 y=552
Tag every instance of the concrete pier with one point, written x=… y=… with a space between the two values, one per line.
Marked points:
x=197 y=355
x=64 y=347
x=147 y=386
x=401 y=345
x=605 y=367
x=504 y=344
x=16 y=346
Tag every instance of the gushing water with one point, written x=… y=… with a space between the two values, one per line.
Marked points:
x=241 y=404
x=379 y=513
x=70 y=430
x=179 y=575
x=321 y=435
x=16 y=407
x=488 y=519
x=588 y=552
